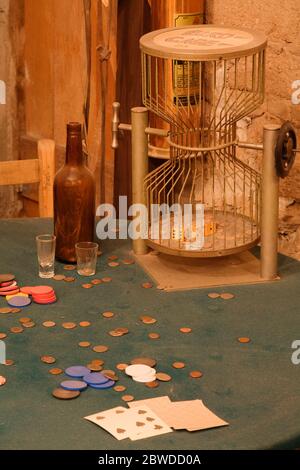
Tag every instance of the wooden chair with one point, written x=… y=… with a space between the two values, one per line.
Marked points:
x=40 y=170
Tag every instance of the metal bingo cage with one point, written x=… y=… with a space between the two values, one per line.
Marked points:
x=202 y=80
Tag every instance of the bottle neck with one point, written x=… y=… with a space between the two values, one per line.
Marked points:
x=74 y=154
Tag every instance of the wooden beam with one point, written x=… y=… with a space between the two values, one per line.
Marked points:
x=19 y=172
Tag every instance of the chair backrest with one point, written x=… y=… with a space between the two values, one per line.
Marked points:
x=40 y=170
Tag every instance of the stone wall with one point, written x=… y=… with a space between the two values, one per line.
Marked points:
x=280 y=21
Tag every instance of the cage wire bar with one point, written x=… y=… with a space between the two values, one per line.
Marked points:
x=202 y=80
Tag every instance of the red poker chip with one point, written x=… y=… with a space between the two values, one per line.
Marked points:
x=44 y=302
x=10 y=292
x=9 y=288
x=43 y=298
x=26 y=290
x=41 y=290
x=7 y=284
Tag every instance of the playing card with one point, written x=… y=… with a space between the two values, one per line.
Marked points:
x=148 y=424
x=110 y=420
x=159 y=405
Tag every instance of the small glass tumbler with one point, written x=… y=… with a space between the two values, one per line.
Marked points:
x=46 y=254
x=86 y=253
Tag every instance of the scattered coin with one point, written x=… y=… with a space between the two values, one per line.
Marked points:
x=17 y=329
x=69 y=279
x=122 y=330
x=152 y=384
x=48 y=359
x=59 y=277
x=196 y=374
x=244 y=340
x=30 y=324
x=25 y=320
x=69 y=267
x=147 y=285
x=62 y=394
x=106 y=279
x=108 y=314
x=69 y=325
x=154 y=335
x=2 y=380
x=185 y=330
x=15 y=310
x=115 y=333
x=100 y=348
x=87 y=286
x=5 y=310
x=127 y=398
x=49 y=324
x=119 y=388
x=110 y=374
x=94 y=367
x=113 y=264
x=213 y=295
x=227 y=296
x=55 y=371
x=3 y=335
x=84 y=324
x=95 y=282
x=162 y=377
x=112 y=258
x=121 y=366
x=9 y=362
x=84 y=344
x=97 y=362
x=178 y=365
x=128 y=261
x=148 y=320
x=147 y=361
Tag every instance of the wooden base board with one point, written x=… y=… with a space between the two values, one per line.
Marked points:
x=172 y=273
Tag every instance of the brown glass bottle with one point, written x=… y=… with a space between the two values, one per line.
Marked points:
x=74 y=199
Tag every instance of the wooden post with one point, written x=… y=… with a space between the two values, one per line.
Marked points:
x=46 y=155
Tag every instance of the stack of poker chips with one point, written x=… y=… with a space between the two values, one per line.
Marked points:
x=141 y=373
x=40 y=294
x=8 y=285
x=83 y=377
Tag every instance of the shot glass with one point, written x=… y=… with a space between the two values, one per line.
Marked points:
x=46 y=254
x=86 y=253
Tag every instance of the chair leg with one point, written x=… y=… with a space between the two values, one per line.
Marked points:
x=46 y=155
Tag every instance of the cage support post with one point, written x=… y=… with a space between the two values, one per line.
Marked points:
x=139 y=122
x=270 y=202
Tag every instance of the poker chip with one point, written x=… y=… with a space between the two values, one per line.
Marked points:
x=45 y=302
x=108 y=384
x=26 y=290
x=19 y=301
x=6 y=278
x=41 y=290
x=73 y=385
x=11 y=292
x=95 y=378
x=6 y=284
x=9 y=288
x=19 y=294
x=77 y=371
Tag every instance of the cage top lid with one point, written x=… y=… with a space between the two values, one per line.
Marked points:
x=202 y=42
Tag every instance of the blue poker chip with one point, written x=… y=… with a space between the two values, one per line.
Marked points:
x=95 y=378
x=18 y=301
x=108 y=384
x=77 y=371
x=73 y=385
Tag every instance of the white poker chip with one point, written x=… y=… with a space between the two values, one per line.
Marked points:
x=149 y=378
x=138 y=370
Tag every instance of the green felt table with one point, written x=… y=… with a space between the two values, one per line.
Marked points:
x=255 y=386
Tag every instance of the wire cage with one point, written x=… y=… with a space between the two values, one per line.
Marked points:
x=202 y=80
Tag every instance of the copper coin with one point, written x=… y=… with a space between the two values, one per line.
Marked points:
x=3 y=335
x=84 y=344
x=25 y=320
x=63 y=394
x=87 y=286
x=113 y=264
x=17 y=329
x=152 y=384
x=95 y=282
x=110 y=374
x=185 y=330
x=196 y=374
x=244 y=340
x=94 y=367
x=97 y=362
x=49 y=324
x=227 y=296
x=178 y=365
x=112 y=258
x=30 y=324
x=69 y=267
x=9 y=362
x=119 y=388
x=48 y=359
x=122 y=330
x=148 y=320
x=69 y=325
x=106 y=279
x=100 y=348
x=69 y=279
x=2 y=380
x=84 y=324
x=127 y=398
x=213 y=295
x=162 y=377
x=5 y=310
x=15 y=310
x=121 y=366
x=55 y=371
x=115 y=333
x=147 y=361
x=147 y=285
x=6 y=278
x=128 y=261
x=108 y=314
x=154 y=335
x=59 y=277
